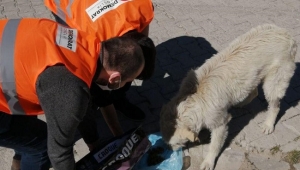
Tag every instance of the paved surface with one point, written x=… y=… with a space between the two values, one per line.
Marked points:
x=186 y=33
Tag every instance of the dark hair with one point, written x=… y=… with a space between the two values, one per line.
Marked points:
x=149 y=52
x=123 y=55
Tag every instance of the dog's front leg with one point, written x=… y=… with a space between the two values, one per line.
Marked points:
x=218 y=137
x=273 y=110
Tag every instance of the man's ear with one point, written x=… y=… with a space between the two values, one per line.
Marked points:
x=191 y=136
x=114 y=77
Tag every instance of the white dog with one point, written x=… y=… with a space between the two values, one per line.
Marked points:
x=265 y=54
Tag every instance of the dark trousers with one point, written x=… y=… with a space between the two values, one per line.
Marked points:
x=27 y=135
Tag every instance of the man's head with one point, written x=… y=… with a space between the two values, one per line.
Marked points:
x=149 y=52
x=122 y=60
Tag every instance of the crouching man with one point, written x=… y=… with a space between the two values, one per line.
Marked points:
x=46 y=68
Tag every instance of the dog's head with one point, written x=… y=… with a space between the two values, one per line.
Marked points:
x=181 y=137
x=173 y=131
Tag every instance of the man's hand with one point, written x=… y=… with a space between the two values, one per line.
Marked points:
x=93 y=145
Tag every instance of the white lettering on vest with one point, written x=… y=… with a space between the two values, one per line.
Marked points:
x=101 y=7
x=70 y=39
x=66 y=37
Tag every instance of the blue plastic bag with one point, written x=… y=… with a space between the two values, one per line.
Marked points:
x=172 y=159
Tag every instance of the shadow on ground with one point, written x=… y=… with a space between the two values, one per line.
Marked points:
x=175 y=57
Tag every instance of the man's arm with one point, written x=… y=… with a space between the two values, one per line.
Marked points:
x=64 y=99
x=88 y=128
x=111 y=119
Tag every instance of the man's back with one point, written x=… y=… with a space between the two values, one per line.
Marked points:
x=106 y=19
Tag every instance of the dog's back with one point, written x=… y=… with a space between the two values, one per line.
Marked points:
x=236 y=70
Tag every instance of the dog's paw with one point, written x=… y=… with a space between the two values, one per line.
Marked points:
x=206 y=165
x=267 y=129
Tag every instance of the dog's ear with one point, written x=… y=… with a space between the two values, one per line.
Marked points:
x=191 y=136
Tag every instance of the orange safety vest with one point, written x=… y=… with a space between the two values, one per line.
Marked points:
x=28 y=47
x=104 y=18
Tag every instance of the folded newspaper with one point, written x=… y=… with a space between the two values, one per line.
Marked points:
x=119 y=153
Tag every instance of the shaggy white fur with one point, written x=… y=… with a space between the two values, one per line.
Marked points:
x=264 y=54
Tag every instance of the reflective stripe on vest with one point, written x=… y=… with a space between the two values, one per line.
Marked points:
x=7 y=67
x=103 y=18
x=61 y=13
